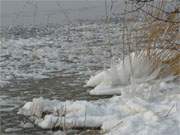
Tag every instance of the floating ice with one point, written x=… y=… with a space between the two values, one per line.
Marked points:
x=39 y=52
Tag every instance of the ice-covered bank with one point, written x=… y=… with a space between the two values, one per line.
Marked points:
x=149 y=103
x=136 y=71
x=124 y=115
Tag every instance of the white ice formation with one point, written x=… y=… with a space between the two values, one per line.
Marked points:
x=148 y=105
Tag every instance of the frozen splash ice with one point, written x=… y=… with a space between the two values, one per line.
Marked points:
x=119 y=114
x=139 y=76
x=149 y=103
x=149 y=106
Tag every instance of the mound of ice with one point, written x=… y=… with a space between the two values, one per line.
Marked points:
x=128 y=74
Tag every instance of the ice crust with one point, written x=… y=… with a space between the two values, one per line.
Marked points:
x=125 y=114
x=117 y=115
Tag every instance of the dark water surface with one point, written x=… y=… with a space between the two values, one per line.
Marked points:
x=51 y=61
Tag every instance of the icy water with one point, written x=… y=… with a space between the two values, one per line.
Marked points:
x=51 y=61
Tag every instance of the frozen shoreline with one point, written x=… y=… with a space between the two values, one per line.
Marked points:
x=119 y=114
x=149 y=106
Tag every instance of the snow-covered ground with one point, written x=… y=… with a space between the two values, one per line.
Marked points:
x=148 y=105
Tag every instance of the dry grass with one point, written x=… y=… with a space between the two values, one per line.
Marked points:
x=158 y=39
